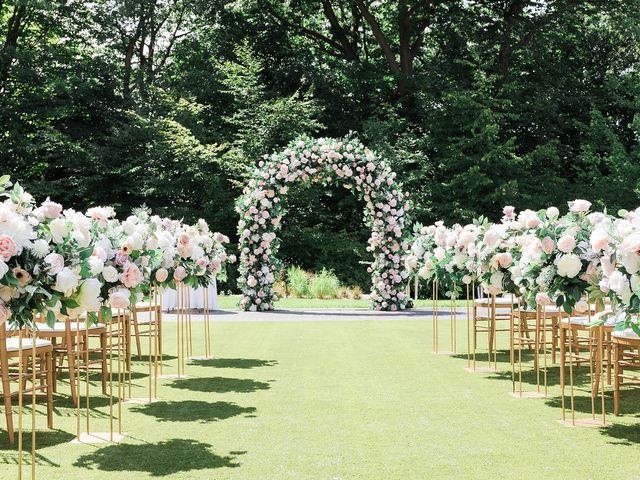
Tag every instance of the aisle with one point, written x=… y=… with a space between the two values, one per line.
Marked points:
x=337 y=400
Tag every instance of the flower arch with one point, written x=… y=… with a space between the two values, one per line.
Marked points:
x=344 y=161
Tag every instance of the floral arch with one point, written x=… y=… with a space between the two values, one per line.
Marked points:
x=344 y=161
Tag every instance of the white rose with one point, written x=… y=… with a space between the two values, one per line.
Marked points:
x=95 y=265
x=128 y=227
x=496 y=280
x=119 y=298
x=110 y=274
x=66 y=282
x=619 y=283
x=89 y=295
x=569 y=265
x=579 y=206
x=411 y=262
x=552 y=212
x=58 y=229
x=417 y=249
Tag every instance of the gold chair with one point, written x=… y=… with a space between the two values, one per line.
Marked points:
x=151 y=323
x=66 y=337
x=626 y=352
x=10 y=355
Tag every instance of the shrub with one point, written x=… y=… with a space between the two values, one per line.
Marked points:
x=324 y=285
x=297 y=281
x=355 y=292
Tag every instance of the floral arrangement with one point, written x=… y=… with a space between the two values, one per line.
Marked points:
x=308 y=160
x=63 y=263
x=540 y=256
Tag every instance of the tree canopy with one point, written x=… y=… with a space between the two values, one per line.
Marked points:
x=476 y=104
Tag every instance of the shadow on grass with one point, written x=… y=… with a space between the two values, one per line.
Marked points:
x=629 y=401
x=44 y=439
x=623 y=434
x=220 y=385
x=244 y=363
x=145 y=358
x=157 y=459
x=193 y=411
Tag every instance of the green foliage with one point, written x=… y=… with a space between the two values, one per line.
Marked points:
x=297 y=282
x=324 y=284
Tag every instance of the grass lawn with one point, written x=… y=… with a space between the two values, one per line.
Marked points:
x=337 y=400
x=230 y=302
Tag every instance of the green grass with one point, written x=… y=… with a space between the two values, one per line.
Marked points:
x=338 y=400
x=230 y=302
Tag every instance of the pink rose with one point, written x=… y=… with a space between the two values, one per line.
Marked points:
x=51 y=209
x=179 y=274
x=202 y=263
x=509 y=212
x=131 y=276
x=630 y=244
x=578 y=206
x=121 y=258
x=548 y=245
x=532 y=221
x=55 y=262
x=599 y=240
x=566 y=243
x=8 y=247
x=542 y=299
x=504 y=259
x=183 y=238
x=119 y=298
x=5 y=313
x=162 y=274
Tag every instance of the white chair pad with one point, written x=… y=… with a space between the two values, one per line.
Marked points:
x=628 y=333
x=578 y=320
x=60 y=327
x=13 y=343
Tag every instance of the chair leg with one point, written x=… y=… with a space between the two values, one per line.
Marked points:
x=103 y=357
x=616 y=380
x=6 y=394
x=159 y=330
x=49 y=365
x=71 y=360
x=136 y=332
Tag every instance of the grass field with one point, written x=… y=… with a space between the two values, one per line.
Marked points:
x=230 y=302
x=337 y=400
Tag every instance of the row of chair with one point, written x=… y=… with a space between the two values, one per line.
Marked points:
x=69 y=347
x=553 y=330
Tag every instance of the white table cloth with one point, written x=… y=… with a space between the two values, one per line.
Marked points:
x=170 y=299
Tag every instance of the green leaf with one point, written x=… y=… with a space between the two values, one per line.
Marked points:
x=70 y=303
x=4 y=180
x=51 y=318
x=92 y=318
x=106 y=314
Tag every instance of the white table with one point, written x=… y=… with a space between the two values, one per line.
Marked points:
x=170 y=300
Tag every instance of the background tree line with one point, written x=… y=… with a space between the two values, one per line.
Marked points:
x=476 y=104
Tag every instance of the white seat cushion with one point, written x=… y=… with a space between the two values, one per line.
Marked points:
x=13 y=343
x=578 y=320
x=628 y=333
x=60 y=327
